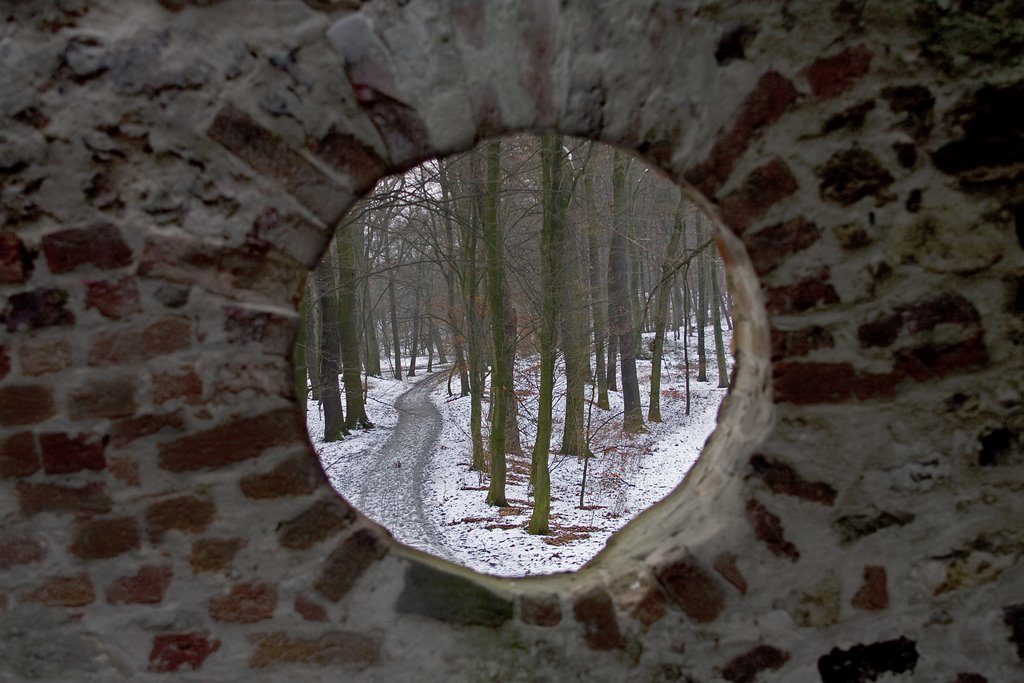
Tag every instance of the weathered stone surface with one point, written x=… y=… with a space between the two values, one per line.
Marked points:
x=241 y=135
x=246 y=603
x=862 y=663
x=238 y=439
x=768 y=528
x=856 y=526
x=692 y=588
x=725 y=565
x=796 y=343
x=100 y=246
x=348 y=561
x=99 y=539
x=139 y=343
x=1013 y=617
x=63 y=591
x=851 y=175
x=297 y=476
x=324 y=519
x=25 y=404
x=349 y=155
x=309 y=610
x=188 y=514
x=334 y=648
x=38 y=308
x=917 y=103
x=19 y=456
x=593 y=608
x=214 y=554
x=782 y=478
x=745 y=667
x=450 y=598
x=65 y=454
x=813 y=292
x=146 y=587
x=124 y=432
x=173 y=651
x=762 y=107
x=805 y=383
x=771 y=246
x=82 y=501
x=185 y=384
x=273 y=332
x=540 y=609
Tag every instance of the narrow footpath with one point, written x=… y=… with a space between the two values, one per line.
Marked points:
x=392 y=490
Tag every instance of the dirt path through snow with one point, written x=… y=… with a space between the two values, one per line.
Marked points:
x=392 y=490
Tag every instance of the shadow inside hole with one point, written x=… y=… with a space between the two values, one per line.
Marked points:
x=398 y=433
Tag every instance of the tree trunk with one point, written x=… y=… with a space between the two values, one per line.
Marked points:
x=396 y=341
x=313 y=338
x=702 y=307
x=334 y=418
x=621 y=322
x=458 y=334
x=665 y=286
x=597 y=295
x=355 y=408
x=723 y=368
x=470 y=231
x=513 y=443
x=417 y=320
x=368 y=328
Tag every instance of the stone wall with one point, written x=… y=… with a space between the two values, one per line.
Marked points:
x=169 y=170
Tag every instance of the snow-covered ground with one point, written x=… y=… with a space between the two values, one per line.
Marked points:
x=627 y=475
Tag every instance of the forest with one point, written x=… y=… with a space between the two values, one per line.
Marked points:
x=529 y=277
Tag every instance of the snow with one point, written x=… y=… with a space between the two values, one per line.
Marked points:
x=627 y=475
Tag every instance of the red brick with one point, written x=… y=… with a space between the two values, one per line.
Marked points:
x=309 y=610
x=115 y=299
x=125 y=470
x=592 y=607
x=247 y=603
x=831 y=76
x=541 y=609
x=804 y=295
x=796 y=343
x=99 y=539
x=298 y=476
x=140 y=343
x=782 y=478
x=42 y=356
x=15 y=260
x=764 y=106
x=214 y=554
x=290 y=233
x=746 y=667
x=5 y=362
x=103 y=396
x=187 y=514
x=44 y=307
x=324 y=519
x=725 y=565
x=692 y=588
x=873 y=594
x=185 y=384
x=765 y=187
x=347 y=154
x=334 y=648
x=62 y=591
x=82 y=501
x=26 y=404
x=123 y=432
x=19 y=456
x=935 y=361
x=64 y=454
x=100 y=246
x=146 y=587
x=172 y=651
x=348 y=562
x=771 y=246
x=808 y=383
x=640 y=596
x=768 y=528
x=19 y=549
x=262 y=149
x=851 y=175
x=239 y=439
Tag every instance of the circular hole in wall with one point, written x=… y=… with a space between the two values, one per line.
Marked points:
x=612 y=351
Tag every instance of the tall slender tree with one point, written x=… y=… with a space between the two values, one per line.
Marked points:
x=355 y=408
x=716 y=298
x=665 y=286
x=597 y=292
